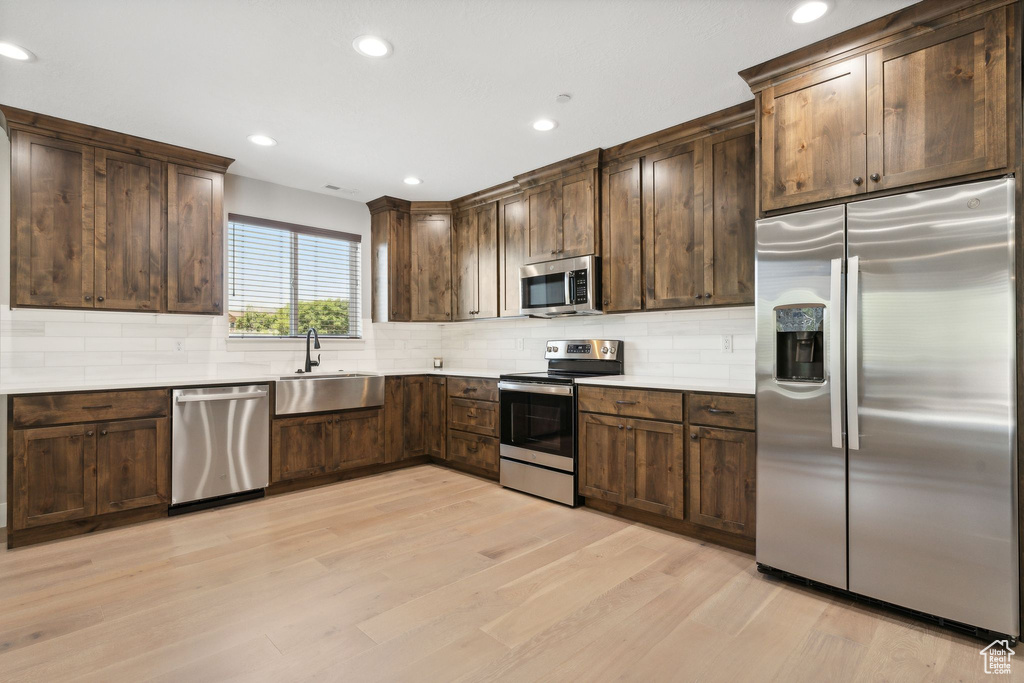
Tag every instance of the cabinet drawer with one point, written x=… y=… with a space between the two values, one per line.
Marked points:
x=645 y=403
x=101 y=406
x=473 y=449
x=721 y=411
x=479 y=417
x=472 y=387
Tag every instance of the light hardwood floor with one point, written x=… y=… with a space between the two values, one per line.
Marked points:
x=425 y=574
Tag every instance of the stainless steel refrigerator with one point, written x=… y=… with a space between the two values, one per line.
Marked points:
x=886 y=403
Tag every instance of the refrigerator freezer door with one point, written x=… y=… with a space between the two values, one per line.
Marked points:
x=932 y=491
x=801 y=475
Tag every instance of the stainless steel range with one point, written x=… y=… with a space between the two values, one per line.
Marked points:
x=538 y=417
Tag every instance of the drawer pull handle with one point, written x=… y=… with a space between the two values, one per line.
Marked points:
x=474 y=449
x=470 y=414
x=627 y=403
x=720 y=411
x=469 y=390
x=98 y=407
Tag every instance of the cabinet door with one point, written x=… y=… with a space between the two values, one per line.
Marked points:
x=487 y=261
x=129 y=236
x=543 y=213
x=302 y=447
x=436 y=413
x=654 y=467
x=621 y=274
x=673 y=193
x=431 y=285
x=54 y=475
x=358 y=439
x=512 y=235
x=132 y=464
x=195 y=240
x=729 y=217
x=400 y=266
x=415 y=402
x=579 y=215
x=603 y=443
x=465 y=265
x=52 y=203
x=937 y=104
x=722 y=479
x=812 y=136
x=394 y=419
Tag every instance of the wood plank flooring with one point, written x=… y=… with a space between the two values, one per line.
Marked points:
x=426 y=574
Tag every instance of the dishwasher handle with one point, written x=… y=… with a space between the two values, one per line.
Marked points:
x=203 y=398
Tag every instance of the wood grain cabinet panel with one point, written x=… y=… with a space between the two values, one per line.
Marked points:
x=654 y=467
x=37 y=410
x=53 y=203
x=643 y=403
x=431 y=261
x=129 y=235
x=722 y=476
x=603 y=443
x=936 y=103
x=415 y=402
x=813 y=129
x=579 y=211
x=54 y=475
x=718 y=410
x=730 y=214
x=358 y=439
x=132 y=464
x=621 y=238
x=473 y=387
x=475 y=263
x=543 y=214
x=487 y=261
x=474 y=450
x=479 y=417
x=391 y=265
x=513 y=253
x=302 y=447
x=195 y=240
x=435 y=416
x=673 y=191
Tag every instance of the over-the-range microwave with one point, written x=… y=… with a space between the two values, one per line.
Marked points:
x=563 y=287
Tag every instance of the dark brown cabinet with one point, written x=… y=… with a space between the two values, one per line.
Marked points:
x=312 y=445
x=513 y=253
x=54 y=475
x=414 y=406
x=560 y=209
x=129 y=235
x=53 y=210
x=391 y=260
x=475 y=262
x=621 y=240
x=722 y=479
x=730 y=215
x=473 y=450
x=603 y=443
x=472 y=425
x=435 y=416
x=132 y=464
x=431 y=263
x=543 y=215
x=195 y=240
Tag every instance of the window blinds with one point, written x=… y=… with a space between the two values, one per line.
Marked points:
x=284 y=279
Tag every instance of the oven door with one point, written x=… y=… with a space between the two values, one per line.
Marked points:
x=538 y=424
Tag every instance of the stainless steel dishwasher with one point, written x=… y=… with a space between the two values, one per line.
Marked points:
x=220 y=445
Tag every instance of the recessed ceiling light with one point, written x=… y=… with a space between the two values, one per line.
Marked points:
x=372 y=46
x=807 y=12
x=14 y=52
x=564 y=98
x=262 y=140
x=544 y=124
x=412 y=180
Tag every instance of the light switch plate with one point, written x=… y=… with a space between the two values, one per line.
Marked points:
x=520 y=344
x=179 y=345
x=726 y=343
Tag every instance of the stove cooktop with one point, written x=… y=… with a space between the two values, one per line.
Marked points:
x=572 y=358
x=549 y=377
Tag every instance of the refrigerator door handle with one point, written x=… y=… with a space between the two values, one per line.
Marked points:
x=835 y=360
x=852 y=351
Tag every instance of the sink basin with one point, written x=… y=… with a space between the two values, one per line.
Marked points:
x=329 y=391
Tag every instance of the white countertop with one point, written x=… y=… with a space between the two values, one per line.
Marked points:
x=720 y=386
x=115 y=384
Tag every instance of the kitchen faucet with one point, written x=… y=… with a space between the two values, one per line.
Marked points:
x=316 y=345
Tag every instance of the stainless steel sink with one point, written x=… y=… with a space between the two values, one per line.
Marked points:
x=322 y=392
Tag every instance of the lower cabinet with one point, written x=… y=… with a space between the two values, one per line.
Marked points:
x=722 y=479
x=68 y=473
x=472 y=426
x=414 y=407
x=474 y=450
x=320 y=444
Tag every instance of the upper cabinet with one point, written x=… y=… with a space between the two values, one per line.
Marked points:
x=621 y=258
x=730 y=213
x=431 y=239
x=561 y=209
x=918 y=98
x=512 y=252
x=102 y=220
x=390 y=260
x=475 y=262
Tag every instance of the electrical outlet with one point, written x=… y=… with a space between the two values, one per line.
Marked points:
x=179 y=345
x=520 y=344
x=438 y=363
x=726 y=343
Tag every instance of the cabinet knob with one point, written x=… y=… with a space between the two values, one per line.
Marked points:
x=605 y=302
x=629 y=429
x=858 y=180
x=620 y=426
x=708 y=295
x=699 y=296
x=89 y=433
x=99 y=298
x=554 y=251
x=876 y=177
x=88 y=297
x=337 y=419
x=693 y=435
x=394 y=312
x=103 y=432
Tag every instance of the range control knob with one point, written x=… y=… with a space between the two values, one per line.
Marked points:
x=605 y=349
x=554 y=349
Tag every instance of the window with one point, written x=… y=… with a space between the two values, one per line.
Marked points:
x=284 y=279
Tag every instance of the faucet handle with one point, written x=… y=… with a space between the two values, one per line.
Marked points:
x=315 y=363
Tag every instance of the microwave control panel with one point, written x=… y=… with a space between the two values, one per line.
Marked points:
x=578 y=286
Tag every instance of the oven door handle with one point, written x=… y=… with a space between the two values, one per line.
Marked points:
x=559 y=390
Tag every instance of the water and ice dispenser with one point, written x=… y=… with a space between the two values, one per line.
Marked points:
x=799 y=343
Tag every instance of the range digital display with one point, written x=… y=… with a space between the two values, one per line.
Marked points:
x=578 y=348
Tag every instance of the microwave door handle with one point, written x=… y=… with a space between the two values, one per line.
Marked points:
x=568 y=288
x=833 y=320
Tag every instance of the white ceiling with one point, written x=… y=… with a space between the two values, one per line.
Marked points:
x=453 y=104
